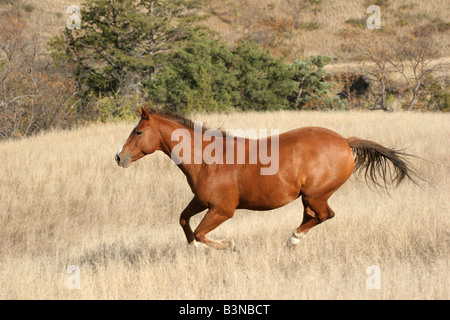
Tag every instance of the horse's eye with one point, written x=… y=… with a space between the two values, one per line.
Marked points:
x=138 y=133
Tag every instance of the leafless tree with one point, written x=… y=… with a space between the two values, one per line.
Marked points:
x=371 y=45
x=412 y=54
x=30 y=99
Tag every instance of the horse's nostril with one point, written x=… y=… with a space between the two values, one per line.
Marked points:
x=117 y=159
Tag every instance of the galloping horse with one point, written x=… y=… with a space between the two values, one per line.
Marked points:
x=312 y=164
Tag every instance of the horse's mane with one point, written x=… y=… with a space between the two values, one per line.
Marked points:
x=178 y=118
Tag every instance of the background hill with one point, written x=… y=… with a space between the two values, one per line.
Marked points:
x=255 y=55
x=291 y=28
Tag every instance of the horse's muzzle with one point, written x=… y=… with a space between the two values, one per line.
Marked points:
x=123 y=161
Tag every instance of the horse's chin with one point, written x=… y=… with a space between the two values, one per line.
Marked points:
x=126 y=164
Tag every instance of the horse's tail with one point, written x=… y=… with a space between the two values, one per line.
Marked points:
x=373 y=159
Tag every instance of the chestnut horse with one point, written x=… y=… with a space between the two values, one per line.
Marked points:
x=313 y=163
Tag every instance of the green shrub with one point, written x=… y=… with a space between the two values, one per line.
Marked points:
x=265 y=82
x=151 y=48
x=116 y=108
x=28 y=7
x=310 y=86
x=206 y=75
x=439 y=97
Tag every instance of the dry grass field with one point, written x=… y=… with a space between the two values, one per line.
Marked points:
x=64 y=201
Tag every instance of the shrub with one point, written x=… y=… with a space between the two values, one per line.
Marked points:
x=310 y=85
x=151 y=49
x=265 y=82
x=207 y=76
x=31 y=98
x=198 y=76
x=116 y=107
x=438 y=97
x=123 y=40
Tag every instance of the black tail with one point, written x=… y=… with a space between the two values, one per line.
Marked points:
x=373 y=159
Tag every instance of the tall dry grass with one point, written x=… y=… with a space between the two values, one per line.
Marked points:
x=64 y=201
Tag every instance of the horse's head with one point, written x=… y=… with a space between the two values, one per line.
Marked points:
x=143 y=140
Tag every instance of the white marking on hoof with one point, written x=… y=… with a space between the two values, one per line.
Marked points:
x=197 y=244
x=295 y=239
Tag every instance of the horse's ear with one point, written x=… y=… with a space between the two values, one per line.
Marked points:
x=143 y=113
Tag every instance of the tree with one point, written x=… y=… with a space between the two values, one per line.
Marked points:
x=32 y=98
x=413 y=52
x=372 y=45
x=409 y=52
x=265 y=82
x=121 y=41
x=309 y=76
x=197 y=76
x=153 y=48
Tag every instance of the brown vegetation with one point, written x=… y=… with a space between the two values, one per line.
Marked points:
x=407 y=54
x=64 y=201
x=32 y=96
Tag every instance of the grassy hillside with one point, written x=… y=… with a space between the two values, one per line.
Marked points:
x=64 y=201
x=317 y=29
x=278 y=25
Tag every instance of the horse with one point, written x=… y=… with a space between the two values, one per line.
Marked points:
x=313 y=163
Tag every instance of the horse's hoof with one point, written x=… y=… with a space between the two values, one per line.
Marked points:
x=295 y=239
x=219 y=245
x=197 y=244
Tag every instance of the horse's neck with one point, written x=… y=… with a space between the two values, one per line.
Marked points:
x=166 y=128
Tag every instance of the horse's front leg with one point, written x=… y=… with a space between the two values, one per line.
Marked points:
x=192 y=209
x=212 y=219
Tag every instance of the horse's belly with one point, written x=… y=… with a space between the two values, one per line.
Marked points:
x=262 y=206
x=267 y=196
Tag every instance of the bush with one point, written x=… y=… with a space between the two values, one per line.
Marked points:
x=206 y=75
x=438 y=97
x=198 y=76
x=265 y=82
x=153 y=50
x=116 y=108
x=309 y=77
x=32 y=99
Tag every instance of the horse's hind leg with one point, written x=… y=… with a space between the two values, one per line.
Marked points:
x=315 y=212
x=212 y=220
